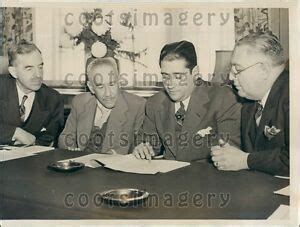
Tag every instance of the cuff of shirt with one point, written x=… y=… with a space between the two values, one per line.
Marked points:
x=13 y=138
x=245 y=161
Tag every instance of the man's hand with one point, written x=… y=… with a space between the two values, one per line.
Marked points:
x=226 y=157
x=22 y=137
x=143 y=151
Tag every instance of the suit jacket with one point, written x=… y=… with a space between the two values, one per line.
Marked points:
x=210 y=105
x=45 y=120
x=269 y=154
x=124 y=122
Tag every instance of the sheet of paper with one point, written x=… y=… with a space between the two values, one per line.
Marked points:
x=128 y=163
x=282 y=212
x=10 y=152
x=34 y=149
x=283 y=191
x=165 y=166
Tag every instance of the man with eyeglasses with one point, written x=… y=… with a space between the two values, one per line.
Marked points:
x=190 y=115
x=258 y=74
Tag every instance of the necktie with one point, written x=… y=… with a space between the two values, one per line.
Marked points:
x=180 y=114
x=258 y=113
x=22 y=108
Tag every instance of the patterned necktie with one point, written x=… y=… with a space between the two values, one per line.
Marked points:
x=180 y=114
x=22 y=108
x=258 y=113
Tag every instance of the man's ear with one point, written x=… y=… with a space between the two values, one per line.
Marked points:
x=266 y=68
x=12 y=70
x=90 y=87
x=195 y=72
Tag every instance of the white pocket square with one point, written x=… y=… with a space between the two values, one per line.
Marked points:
x=43 y=129
x=205 y=131
x=270 y=132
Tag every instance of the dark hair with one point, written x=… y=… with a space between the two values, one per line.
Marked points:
x=179 y=50
x=265 y=43
x=23 y=47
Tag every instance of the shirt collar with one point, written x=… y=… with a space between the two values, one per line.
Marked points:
x=185 y=103
x=264 y=99
x=102 y=108
x=21 y=93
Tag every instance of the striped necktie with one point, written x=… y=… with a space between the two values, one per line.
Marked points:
x=180 y=114
x=258 y=113
x=22 y=108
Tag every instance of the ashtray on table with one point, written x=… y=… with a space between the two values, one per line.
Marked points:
x=125 y=196
x=65 y=166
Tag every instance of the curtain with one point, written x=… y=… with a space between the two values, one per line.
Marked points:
x=15 y=24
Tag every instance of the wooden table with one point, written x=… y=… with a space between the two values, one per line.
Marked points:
x=30 y=191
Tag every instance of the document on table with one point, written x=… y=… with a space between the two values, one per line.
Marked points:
x=129 y=163
x=283 y=191
x=10 y=152
x=282 y=212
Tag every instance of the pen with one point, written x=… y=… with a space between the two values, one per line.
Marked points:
x=158 y=157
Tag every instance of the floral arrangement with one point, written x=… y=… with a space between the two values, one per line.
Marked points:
x=94 y=30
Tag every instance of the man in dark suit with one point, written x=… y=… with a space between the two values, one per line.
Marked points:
x=30 y=112
x=258 y=74
x=190 y=114
x=105 y=119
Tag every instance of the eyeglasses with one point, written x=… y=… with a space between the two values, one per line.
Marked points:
x=234 y=74
x=170 y=78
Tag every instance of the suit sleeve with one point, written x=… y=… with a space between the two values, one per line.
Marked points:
x=68 y=136
x=7 y=132
x=148 y=131
x=229 y=119
x=140 y=116
x=54 y=126
x=273 y=161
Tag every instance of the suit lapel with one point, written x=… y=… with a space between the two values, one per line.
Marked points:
x=247 y=121
x=13 y=104
x=265 y=120
x=38 y=114
x=267 y=113
x=166 y=113
x=10 y=104
x=196 y=111
x=86 y=121
x=270 y=105
x=115 y=124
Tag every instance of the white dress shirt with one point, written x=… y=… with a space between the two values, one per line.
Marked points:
x=185 y=103
x=28 y=103
x=101 y=115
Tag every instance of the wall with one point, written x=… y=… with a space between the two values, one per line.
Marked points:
x=210 y=34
